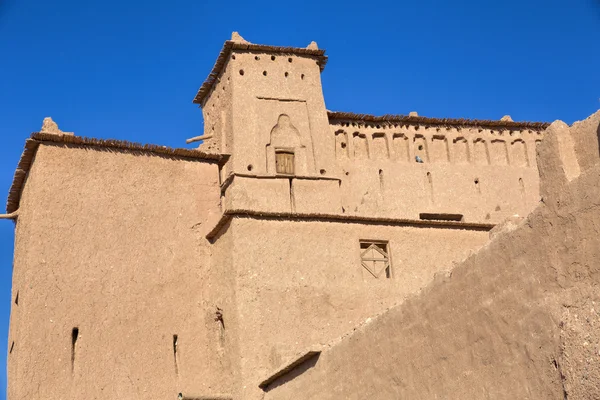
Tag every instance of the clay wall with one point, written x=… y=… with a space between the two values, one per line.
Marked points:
x=484 y=174
x=217 y=113
x=268 y=88
x=301 y=283
x=263 y=102
x=518 y=319
x=110 y=264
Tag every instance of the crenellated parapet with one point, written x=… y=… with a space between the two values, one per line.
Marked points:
x=430 y=140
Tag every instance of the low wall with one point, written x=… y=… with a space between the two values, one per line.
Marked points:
x=519 y=319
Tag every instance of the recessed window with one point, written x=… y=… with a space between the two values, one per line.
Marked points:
x=284 y=162
x=375 y=258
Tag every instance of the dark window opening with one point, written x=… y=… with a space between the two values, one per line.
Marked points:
x=441 y=217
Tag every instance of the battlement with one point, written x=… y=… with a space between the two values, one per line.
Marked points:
x=433 y=140
x=237 y=44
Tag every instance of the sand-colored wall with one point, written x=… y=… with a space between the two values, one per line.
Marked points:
x=113 y=243
x=301 y=283
x=266 y=86
x=519 y=319
x=485 y=175
x=263 y=101
x=217 y=112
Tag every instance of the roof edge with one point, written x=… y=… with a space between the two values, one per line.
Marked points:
x=338 y=116
x=37 y=138
x=229 y=46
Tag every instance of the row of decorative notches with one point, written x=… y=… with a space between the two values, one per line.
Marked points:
x=435 y=148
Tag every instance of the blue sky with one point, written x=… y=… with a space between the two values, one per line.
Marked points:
x=129 y=69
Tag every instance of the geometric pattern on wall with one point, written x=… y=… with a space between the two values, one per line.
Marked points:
x=374 y=257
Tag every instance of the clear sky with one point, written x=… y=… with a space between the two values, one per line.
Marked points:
x=129 y=69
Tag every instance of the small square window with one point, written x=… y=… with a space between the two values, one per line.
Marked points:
x=375 y=258
x=284 y=162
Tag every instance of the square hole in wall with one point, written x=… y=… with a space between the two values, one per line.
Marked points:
x=375 y=258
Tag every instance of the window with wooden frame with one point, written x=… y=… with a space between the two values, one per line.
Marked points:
x=284 y=161
x=375 y=258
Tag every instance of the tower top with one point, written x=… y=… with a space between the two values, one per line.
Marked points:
x=239 y=44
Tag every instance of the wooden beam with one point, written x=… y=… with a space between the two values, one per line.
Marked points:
x=198 y=138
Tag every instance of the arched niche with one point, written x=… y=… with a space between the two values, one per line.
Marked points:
x=379 y=144
x=401 y=149
x=518 y=153
x=286 y=154
x=341 y=145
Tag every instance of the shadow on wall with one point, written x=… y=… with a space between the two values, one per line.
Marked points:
x=598 y=130
x=296 y=371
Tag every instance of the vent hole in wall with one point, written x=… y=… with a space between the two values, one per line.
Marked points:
x=302 y=76
x=17 y=298
x=250 y=167
x=265 y=73
x=441 y=217
x=219 y=317
x=286 y=74
x=241 y=72
x=74 y=337
x=233 y=56
x=290 y=59
x=322 y=172
x=175 y=354
x=256 y=58
x=420 y=147
x=273 y=58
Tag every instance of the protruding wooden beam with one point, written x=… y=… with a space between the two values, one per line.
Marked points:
x=12 y=215
x=198 y=138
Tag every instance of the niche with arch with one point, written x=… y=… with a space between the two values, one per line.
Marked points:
x=518 y=153
x=379 y=146
x=400 y=144
x=421 y=149
x=480 y=152
x=498 y=152
x=360 y=146
x=439 y=149
x=460 y=151
x=341 y=145
x=285 y=152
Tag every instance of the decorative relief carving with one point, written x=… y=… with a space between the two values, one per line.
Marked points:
x=361 y=149
x=481 y=155
x=374 y=257
x=401 y=149
x=379 y=149
x=439 y=149
x=498 y=152
x=479 y=147
x=460 y=151
x=284 y=144
x=285 y=134
x=341 y=145
x=421 y=148
x=518 y=153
